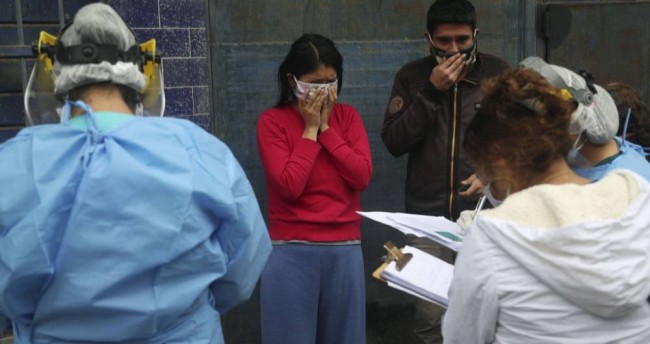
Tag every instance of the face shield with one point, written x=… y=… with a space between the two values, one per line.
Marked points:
x=42 y=105
x=153 y=98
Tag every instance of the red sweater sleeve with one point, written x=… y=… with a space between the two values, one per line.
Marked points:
x=287 y=169
x=352 y=156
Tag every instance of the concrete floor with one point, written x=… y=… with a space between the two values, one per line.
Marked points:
x=385 y=325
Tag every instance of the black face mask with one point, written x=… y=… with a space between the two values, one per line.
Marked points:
x=470 y=53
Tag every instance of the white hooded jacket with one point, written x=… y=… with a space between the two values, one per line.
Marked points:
x=557 y=264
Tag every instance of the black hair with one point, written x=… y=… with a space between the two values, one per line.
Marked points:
x=130 y=96
x=306 y=54
x=450 y=12
x=626 y=97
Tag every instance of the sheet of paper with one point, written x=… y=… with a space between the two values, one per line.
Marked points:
x=404 y=290
x=436 y=228
x=432 y=223
x=423 y=275
x=382 y=217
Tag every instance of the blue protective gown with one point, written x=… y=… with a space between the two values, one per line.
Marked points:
x=142 y=230
x=630 y=158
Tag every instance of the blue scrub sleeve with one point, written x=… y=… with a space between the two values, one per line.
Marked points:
x=242 y=234
x=24 y=267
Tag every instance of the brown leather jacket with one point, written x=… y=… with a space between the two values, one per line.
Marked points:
x=430 y=126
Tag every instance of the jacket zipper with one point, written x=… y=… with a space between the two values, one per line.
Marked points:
x=453 y=153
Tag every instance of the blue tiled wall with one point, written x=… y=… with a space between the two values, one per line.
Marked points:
x=179 y=29
x=36 y=16
x=177 y=25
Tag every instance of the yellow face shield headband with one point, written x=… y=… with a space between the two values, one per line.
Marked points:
x=41 y=104
x=533 y=104
x=46 y=51
x=565 y=94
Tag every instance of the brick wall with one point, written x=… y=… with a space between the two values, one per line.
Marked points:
x=177 y=25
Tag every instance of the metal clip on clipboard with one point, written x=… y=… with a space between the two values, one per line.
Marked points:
x=394 y=254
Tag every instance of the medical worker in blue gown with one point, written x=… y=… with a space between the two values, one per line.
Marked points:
x=594 y=123
x=116 y=227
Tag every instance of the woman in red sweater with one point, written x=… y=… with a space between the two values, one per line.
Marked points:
x=316 y=161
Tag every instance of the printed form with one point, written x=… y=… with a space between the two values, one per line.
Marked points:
x=424 y=276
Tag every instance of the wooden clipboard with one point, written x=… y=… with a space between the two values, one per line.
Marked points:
x=401 y=260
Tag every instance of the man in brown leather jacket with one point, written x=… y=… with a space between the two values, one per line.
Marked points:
x=432 y=102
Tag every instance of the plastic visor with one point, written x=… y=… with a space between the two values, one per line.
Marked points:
x=40 y=103
x=153 y=98
x=42 y=107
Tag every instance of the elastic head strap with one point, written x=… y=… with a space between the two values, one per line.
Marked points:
x=93 y=53
x=86 y=53
x=589 y=80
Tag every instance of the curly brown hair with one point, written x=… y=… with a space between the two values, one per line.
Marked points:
x=521 y=127
x=626 y=98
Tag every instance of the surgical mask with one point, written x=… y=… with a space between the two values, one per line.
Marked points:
x=305 y=87
x=575 y=158
x=441 y=55
x=488 y=194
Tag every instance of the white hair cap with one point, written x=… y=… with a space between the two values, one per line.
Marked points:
x=598 y=120
x=596 y=115
x=98 y=23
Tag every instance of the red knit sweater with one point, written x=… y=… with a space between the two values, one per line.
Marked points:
x=313 y=187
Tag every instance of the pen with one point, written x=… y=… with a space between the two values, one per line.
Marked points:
x=479 y=206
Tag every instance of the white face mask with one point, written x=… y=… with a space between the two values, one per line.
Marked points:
x=488 y=194
x=441 y=55
x=575 y=158
x=305 y=87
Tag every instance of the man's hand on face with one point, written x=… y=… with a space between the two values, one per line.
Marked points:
x=447 y=73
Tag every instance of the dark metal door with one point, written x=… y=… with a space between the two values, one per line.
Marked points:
x=608 y=38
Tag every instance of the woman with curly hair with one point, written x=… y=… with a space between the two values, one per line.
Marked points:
x=561 y=259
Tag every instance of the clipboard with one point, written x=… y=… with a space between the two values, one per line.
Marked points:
x=426 y=277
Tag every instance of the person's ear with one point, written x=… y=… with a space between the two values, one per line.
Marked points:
x=291 y=81
x=427 y=36
x=476 y=32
